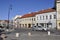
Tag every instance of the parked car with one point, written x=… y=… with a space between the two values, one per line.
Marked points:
x=39 y=28
x=9 y=30
x=1 y=29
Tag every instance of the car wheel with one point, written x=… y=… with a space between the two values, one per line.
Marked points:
x=43 y=29
x=32 y=29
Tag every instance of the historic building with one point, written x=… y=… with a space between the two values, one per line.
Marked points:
x=58 y=13
x=46 y=18
x=28 y=20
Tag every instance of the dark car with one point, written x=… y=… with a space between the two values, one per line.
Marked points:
x=1 y=29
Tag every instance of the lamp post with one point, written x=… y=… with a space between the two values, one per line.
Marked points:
x=9 y=10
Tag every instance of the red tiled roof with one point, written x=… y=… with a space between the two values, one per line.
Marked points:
x=47 y=10
x=29 y=15
x=39 y=12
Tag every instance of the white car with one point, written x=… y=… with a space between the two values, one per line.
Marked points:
x=38 y=28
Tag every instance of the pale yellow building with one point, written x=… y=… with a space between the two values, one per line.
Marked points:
x=58 y=14
x=27 y=20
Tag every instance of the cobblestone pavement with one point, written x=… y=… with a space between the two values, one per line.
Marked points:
x=34 y=35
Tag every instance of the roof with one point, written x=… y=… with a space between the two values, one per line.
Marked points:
x=4 y=20
x=47 y=10
x=17 y=16
x=29 y=15
x=57 y=0
x=39 y=12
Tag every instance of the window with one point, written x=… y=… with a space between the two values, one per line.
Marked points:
x=54 y=16
x=34 y=26
x=40 y=17
x=50 y=16
x=37 y=24
x=34 y=19
x=43 y=17
x=46 y=17
x=59 y=24
x=37 y=17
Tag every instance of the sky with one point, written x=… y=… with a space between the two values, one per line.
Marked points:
x=21 y=7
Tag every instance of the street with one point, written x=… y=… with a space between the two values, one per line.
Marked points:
x=28 y=34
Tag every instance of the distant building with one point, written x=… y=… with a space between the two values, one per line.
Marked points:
x=4 y=23
x=16 y=20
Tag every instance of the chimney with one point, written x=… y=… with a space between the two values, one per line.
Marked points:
x=54 y=7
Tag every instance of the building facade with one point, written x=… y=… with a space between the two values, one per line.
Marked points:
x=58 y=14
x=16 y=21
x=46 y=18
x=27 y=20
x=4 y=23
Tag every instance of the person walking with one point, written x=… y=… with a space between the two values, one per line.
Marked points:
x=1 y=37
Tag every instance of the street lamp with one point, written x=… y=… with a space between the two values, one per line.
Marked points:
x=9 y=10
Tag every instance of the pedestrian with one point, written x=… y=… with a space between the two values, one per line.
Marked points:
x=1 y=37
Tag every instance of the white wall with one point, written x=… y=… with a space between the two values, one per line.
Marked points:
x=58 y=10
x=53 y=21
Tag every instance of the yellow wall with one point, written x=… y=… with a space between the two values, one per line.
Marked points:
x=58 y=10
x=58 y=14
x=58 y=27
x=27 y=21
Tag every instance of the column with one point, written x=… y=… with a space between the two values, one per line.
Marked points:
x=44 y=24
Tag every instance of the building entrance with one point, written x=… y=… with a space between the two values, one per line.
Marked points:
x=29 y=25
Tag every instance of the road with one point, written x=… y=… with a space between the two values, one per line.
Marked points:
x=28 y=34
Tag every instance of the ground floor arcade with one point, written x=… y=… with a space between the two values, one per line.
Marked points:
x=26 y=25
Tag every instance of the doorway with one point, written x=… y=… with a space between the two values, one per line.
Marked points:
x=29 y=25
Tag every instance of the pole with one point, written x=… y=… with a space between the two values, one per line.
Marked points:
x=56 y=12
x=10 y=8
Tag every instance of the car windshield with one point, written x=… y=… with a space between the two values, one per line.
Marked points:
x=39 y=26
x=34 y=26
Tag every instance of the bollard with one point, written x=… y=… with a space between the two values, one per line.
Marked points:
x=48 y=32
x=29 y=34
x=17 y=34
x=7 y=30
x=3 y=36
